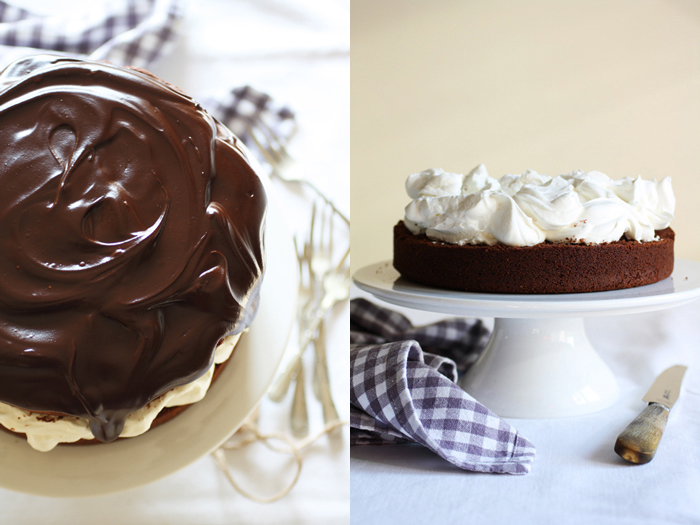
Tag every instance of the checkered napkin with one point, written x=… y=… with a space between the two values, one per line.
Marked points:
x=132 y=33
x=244 y=107
x=401 y=394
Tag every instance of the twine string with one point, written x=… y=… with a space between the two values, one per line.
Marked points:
x=292 y=448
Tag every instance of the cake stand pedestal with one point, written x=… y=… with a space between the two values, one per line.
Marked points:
x=539 y=362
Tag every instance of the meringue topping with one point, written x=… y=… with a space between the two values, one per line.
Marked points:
x=527 y=209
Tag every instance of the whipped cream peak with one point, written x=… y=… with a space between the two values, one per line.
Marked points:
x=433 y=183
x=527 y=209
x=477 y=180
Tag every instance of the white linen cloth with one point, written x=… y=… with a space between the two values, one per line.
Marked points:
x=298 y=52
x=576 y=478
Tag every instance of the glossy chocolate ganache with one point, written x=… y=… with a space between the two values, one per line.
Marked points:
x=130 y=239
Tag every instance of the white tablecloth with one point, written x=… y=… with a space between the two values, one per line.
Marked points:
x=576 y=477
x=298 y=52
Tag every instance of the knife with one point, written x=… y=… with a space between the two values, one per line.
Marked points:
x=639 y=441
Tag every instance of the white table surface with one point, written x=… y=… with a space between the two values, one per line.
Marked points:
x=576 y=477
x=298 y=52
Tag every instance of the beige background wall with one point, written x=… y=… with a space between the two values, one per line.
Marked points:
x=549 y=85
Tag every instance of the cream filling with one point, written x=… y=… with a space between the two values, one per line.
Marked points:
x=44 y=431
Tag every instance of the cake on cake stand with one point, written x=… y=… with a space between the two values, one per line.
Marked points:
x=539 y=362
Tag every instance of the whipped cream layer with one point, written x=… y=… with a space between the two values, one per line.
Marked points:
x=45 y=431
x=527 y=209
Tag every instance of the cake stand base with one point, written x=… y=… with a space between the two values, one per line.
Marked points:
x=541 y=368
x=539 y=362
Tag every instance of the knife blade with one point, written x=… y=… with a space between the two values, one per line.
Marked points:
x=639 y=441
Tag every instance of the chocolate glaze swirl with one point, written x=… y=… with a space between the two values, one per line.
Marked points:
x=130 y=239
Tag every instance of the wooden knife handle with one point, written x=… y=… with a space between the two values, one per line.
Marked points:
x=639 y=441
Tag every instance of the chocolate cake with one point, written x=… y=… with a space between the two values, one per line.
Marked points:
x=534 y=234
x=131 y=240
x=545 y=268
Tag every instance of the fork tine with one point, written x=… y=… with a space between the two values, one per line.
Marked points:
x=310 y=245
x=274 y=139
x=296 y=248
x=300 y=259
x=342 y=262
x=330 y=233
x=269 y=157
x=324 y=221
x=269 y=142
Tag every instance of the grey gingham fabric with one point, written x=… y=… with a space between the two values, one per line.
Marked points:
x=401 y=394
x=243 y=107
x=458 y=339
x=133 y=33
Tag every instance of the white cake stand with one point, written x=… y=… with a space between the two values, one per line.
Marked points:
x=539 y=362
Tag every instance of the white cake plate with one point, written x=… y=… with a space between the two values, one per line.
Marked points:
x=539 y=362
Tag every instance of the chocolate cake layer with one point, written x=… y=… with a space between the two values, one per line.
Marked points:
x=546 y=268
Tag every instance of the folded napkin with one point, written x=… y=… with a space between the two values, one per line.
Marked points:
x=401 y=394
x=244 y=107
x=133 y=33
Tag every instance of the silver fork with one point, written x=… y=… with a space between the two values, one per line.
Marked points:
x=305 y=295
x=311 y=263
x=299 y=417
x=318 y=280
x=283 y=164
x=323 y=272
x=336 y=286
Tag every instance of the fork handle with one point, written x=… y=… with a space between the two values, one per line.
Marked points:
x=281 y=385
x=320 y=361
x=322 y=381
x=279 y=389
x=300 y=416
